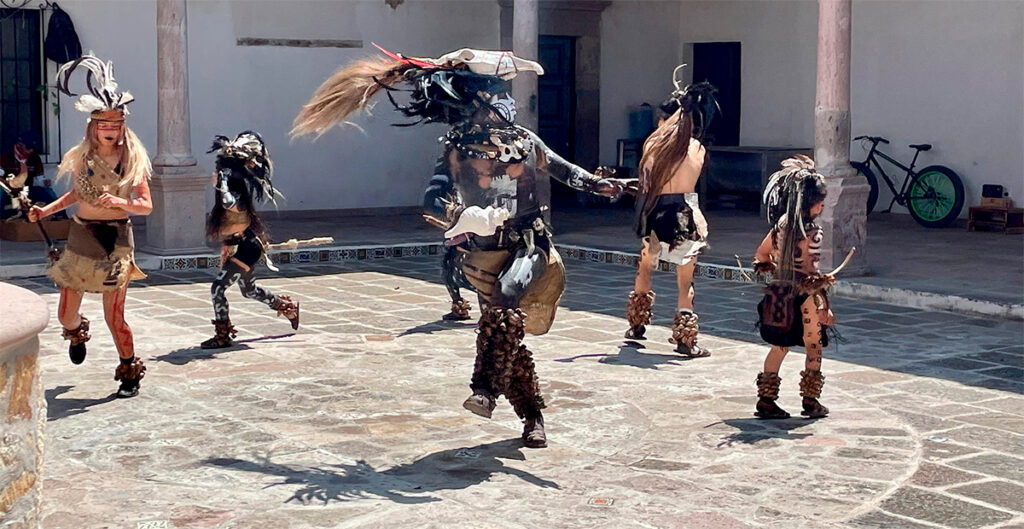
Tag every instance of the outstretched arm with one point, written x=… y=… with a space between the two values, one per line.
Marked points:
x=571 y=174
x=562 y=170
x=37 y=213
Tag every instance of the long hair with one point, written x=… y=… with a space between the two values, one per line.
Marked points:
x=789 y=196
x=245 y=203
x=667 y=147
x=249 y=171
x=349 y=89
x=134 y=160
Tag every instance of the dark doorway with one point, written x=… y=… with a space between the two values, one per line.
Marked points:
x=719 y=64
x=21 y=105
x=556 y=104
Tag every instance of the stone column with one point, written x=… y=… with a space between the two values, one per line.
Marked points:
x=176 y=225
x=844 y=219
x=524 y=44
x=22 y=406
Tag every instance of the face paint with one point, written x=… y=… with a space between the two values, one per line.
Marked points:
x=506 y=106
x=108 y=131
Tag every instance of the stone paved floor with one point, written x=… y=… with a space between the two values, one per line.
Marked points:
x=355 y=421
x=901 y=253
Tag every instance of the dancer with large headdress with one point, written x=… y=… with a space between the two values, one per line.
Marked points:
x=492 y=191
x=109 y=170
x=795 y=309
x=244 y=173
x=668 y=220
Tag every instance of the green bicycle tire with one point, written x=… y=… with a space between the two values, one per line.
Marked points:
x=935 y=197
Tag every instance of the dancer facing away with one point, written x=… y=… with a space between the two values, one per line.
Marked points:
x=669 y=221
x=499 y=198
x=109 y=171
x=244 y=172
x=795 y=309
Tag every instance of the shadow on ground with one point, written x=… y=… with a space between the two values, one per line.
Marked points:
x=180 y=357
x=631 y=354
x=407 y=483
x=753 y=431
x=57 y=408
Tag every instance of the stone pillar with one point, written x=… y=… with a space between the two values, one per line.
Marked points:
x=844 y=219
x=22 y=406
x=176 y=225
x=524 y=44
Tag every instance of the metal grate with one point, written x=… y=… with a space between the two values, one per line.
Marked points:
x=21 y=93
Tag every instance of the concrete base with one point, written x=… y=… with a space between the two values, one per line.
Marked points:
x=178 y=222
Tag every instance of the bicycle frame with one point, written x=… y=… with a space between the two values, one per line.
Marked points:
x=901 y=197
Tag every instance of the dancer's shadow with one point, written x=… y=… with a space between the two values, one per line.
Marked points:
x=180 y=357
x=630 y=354
x=406 y=483
x=439 y=325
x=60 y=408
x=753 y=430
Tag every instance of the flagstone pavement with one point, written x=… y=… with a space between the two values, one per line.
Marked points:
x=355 y=420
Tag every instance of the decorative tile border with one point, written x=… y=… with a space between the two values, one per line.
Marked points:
x=704 y=270
x=320 y=254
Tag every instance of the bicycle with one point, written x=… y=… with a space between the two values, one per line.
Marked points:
x=935 y=194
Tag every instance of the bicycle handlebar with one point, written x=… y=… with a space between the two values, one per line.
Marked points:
x=876 y=139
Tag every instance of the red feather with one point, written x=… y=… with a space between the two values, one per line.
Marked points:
x=399 y=57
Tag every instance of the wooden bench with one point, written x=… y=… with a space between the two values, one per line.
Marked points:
x=1009 y=220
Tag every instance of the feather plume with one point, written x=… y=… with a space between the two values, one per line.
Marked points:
x=99 y=79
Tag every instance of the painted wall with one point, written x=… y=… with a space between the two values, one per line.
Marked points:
x=640 y=47
x=237 y=87
x=961 y=88
x=945 y=72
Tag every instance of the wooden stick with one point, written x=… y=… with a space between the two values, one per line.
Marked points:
x=849 y=255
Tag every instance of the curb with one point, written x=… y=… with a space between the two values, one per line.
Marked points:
x=863 y=291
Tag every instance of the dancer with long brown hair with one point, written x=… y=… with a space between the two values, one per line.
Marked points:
x=109 y=170
x=497 y=202
x=669 y=221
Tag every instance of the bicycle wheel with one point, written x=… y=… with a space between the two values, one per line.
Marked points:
x=865 y=171
x=935 y=197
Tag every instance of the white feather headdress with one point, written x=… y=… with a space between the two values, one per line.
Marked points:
x=99 y=78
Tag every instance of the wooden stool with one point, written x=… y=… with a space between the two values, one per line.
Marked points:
x=1009 y=220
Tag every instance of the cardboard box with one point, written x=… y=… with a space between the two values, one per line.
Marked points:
x=23 y=231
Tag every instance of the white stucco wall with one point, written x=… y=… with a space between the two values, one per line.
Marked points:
x=233 y=88
x=945 y=72
x=639 y=49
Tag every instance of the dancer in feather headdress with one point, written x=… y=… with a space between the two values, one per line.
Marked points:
x=669 y=221
x=109 y=171
x=244 y=172
x=795 y=309
x=491 y=189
